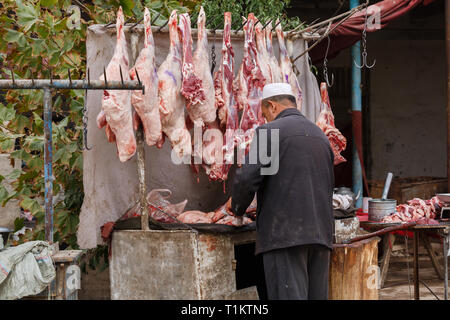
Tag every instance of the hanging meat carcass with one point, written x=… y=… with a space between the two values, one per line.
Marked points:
x=171 y=101
x=274 y=65
x=287 y=71
x=262 y=53
x=192 y=86
x=239 y=85
x=325 y=121
x=226 y=106
x=203 y=111
x=146 y=104
x=254 y=81
x=116 y=104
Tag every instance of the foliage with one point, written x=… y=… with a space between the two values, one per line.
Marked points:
x=46 y=38
x=263 y=10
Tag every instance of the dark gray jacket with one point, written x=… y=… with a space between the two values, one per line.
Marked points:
x=295 y=204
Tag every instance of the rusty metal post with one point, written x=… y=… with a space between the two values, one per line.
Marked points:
x=416 y=265
x=447 y=51
x=48 y=175
x=141 y=174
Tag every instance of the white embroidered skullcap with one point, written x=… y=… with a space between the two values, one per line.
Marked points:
x=276 y=89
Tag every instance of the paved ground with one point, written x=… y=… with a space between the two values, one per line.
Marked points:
x=397 y=287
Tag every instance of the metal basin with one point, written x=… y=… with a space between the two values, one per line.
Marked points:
x=379 y=208
x=444 y=197
x=4 y=232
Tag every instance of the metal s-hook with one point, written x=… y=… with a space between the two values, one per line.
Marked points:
x=325 y=67
x=364 y=53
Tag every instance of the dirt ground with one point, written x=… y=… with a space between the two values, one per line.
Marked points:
x=397 y=287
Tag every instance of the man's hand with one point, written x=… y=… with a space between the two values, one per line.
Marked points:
x=228 y=205
x=239 y=221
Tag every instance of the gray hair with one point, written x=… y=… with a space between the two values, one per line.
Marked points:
x=280 y=98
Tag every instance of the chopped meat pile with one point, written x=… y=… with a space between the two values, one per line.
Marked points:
x=415 y=210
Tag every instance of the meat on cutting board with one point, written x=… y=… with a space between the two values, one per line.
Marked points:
x=325 y=121
x=251 y=115
x=415 y=210
x=147 y=105
x=287 y=71
x=192 y=86
x=171 y=101
x=274 y=65
x=116 y=112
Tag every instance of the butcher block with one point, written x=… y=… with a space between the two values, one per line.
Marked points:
x=354 y=272
x=175 y=264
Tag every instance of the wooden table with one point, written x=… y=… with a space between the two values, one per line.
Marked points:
x=420 y=232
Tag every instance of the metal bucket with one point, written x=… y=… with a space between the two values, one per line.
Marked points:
x=379 y=208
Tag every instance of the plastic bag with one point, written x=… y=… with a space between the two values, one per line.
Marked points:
x=158 y=199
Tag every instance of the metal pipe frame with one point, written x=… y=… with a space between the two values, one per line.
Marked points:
x=47 y=85
x=70 y=84
x=48 y=175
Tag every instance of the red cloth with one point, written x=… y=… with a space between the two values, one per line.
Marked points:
x=350 y=31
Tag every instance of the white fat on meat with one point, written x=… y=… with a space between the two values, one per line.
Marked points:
x=147 y=105
x=116 y=113
x=171 y=102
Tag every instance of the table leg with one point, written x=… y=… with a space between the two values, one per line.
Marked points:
x=416 y=265
x=434 y=260
x=388 y=243
x=445 y=267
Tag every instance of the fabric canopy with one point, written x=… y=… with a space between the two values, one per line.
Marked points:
x=379 y=15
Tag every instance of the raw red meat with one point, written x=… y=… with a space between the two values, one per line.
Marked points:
x=194 y=216
x=254 y=81
x=274 y=65
x=423 y=211
x=287 y=72
x=116 y=104
x=192 y=86
x=326 y=123
x=218 y=150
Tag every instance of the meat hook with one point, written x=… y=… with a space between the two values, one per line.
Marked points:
x=242 y=25
x=364 y=43
x=121 y=76
x=270 y=20
x=159 y=13
x=325 y=68
x=139 y=81
x=89 y=77
x=159 y=30
x=12 y=76
x=134 y=25
x=104 y=74
x=279 y=21
x=70 y=78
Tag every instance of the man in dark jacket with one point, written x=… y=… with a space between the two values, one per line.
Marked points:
x=293 y=179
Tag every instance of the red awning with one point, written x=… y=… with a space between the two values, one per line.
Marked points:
x=379 y=15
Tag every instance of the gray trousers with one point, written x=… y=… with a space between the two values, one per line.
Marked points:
x=297 y=273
